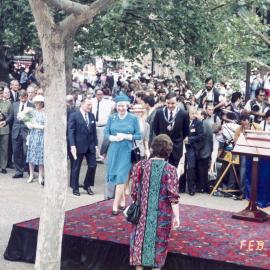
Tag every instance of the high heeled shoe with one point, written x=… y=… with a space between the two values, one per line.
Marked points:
x=115 y=213
x=41 y=180
x=30 y=179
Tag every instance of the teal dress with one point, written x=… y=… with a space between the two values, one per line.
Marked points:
x=119 y=153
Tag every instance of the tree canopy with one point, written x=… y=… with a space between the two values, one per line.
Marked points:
x=204 y=37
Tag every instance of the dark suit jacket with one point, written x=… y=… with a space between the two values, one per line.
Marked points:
x=18 y=127
x=196 y=135
x=12 y=98
x=80 y=135
x=179 y=132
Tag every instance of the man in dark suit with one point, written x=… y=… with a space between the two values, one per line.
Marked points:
x=19 y=133
x=82 y=138
x=14 y=91
x=194 y=143
x=70 y=109
x=174 y=122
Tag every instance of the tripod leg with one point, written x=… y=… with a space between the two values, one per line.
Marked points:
x=220 y=179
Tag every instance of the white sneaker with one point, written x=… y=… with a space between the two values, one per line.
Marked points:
x=30 y=179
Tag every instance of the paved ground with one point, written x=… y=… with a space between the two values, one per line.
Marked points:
x=21 y=201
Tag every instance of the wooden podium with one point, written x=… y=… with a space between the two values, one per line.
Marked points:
x=255 y=145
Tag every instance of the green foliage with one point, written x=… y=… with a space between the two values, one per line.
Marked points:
x=204 y=37
x=17 y=27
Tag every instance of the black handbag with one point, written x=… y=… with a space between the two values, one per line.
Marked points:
x=135 y=153
x=134 y=211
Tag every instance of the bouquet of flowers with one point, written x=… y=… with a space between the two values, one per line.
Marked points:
x=27 y=116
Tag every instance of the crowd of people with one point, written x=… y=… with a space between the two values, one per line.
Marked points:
x=178 y=132
x=199 y=124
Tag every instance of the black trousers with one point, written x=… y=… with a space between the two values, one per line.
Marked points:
x=19 y=153
x=202 y=173
x=89 y=179
x=191 y=168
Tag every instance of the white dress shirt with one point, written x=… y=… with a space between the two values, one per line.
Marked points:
x=106 y=107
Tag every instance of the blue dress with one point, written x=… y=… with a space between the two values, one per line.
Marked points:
x=119 y=153
x=35 y=150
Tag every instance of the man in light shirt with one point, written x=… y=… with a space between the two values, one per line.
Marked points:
x=102 y=107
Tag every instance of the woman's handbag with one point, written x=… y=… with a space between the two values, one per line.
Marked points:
x=133 y=212
x=135 y=153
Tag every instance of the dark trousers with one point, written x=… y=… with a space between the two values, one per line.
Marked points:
x=202 y=179
x=71 y=159
x=10 y=150
x=3 y=150
x=19 y=153
x=89 y=179
x=191 y=168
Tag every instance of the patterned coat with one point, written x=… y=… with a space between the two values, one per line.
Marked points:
x=159 y=188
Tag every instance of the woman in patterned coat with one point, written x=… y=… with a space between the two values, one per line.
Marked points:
x=155 y=185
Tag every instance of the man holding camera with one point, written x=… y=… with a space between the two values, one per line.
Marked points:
x=258 y=106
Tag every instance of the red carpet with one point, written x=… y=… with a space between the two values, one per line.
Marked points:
x=205 y=233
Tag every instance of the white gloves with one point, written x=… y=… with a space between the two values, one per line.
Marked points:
x=128 y=137
x=116 y=138
x=120 y=137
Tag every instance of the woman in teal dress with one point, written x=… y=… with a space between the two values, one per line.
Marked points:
x=121 y=129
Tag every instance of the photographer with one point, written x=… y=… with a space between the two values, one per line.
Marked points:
x=245 y=124
x=210 y=95
x=257 y=107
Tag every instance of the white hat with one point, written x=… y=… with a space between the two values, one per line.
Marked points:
x=69 y=98
x=38 y=98
x=137 y=108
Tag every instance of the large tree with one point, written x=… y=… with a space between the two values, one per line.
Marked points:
x=56 y=39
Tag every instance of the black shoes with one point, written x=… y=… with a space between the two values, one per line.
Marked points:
x=10 y=166
x=4 y=171
x=89 y=191
x=115 y=213
x=191 y=193
x=17 y=175
x=76 y=192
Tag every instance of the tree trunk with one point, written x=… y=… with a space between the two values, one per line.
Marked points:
x=52 y=216
x=69 y=52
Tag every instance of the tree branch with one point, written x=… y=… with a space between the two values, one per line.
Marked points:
x=252 y=28
x=73 y=21
x=67 y=6
x=244 y=61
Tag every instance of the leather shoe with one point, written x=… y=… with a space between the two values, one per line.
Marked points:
x=76 y=192
x=17 y=176
x=4 y=171
x=122 y=208
x=89 y=191
x=192 y=193
x=10 y=166
x=115 y=213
